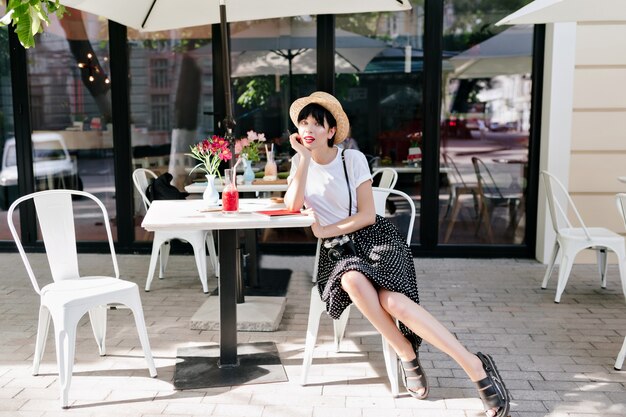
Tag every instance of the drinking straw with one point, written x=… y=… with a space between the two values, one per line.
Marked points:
x=267 y=152
x=234 y=173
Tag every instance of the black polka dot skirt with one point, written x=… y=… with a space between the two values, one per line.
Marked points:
x=383 y=256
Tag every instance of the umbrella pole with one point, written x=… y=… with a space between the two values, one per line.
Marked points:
x=229 y=121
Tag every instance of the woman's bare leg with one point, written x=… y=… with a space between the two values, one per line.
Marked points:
x=422 y=323
x=365 y=297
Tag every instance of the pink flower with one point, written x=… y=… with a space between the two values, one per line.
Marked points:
x=210 y=152
x=225 y=155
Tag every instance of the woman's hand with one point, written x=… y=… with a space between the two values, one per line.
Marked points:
x=296 y=143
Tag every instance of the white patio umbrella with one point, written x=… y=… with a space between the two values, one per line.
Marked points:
x=551 y=11
x=289 y=48
x=508 y=52
x=154 y=15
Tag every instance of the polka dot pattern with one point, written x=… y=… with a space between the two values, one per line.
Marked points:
x=383 y=257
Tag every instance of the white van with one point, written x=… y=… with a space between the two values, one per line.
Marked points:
x=52 y=165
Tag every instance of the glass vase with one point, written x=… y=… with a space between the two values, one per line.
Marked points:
x=248 y=173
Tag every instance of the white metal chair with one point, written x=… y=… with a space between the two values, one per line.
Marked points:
x=317 y=306
x=71 y=295
x=571 y=240
x=198 y=239
x=621 y=207
x=493 y=195
x=458 y=187
x=388 y=177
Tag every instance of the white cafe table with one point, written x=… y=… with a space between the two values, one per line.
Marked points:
x=199 y=187
x=189 y=214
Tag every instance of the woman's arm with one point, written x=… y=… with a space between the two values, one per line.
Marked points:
x=365 y=215
x=294 y=196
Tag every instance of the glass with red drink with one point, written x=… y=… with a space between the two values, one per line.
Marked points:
x=230 y=195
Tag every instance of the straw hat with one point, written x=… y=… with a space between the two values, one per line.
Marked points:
x=331 y=104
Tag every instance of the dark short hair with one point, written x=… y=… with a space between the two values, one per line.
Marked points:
x=319 y=113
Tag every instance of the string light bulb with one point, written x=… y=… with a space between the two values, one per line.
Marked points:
x=93 y=68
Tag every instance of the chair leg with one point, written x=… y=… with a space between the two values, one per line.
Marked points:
x=156 y=247
x=98 y=319
x=546 y=277
x=391 y=364
x=199 y=252
x=621 y=264
x=602 y=262
x=213 y=253
x=620 y=357
x=163 y=258
x=316 y=261
x=564 y=271
x=339 y=328
x=42 y=336
x=456 y=207
x=316 y=308
x=65 y=337
x=135 y=305
x=451 y=198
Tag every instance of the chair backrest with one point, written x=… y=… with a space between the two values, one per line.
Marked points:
x=455 y=174
x=56 y=221
x=380 y=197
x=141 y=179
x=487 y=185
x=555 y=192
x=388 y=177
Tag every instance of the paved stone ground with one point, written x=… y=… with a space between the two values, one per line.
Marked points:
x=557 y=360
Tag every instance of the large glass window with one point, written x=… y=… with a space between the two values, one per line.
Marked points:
x=485 y=125
x=171 y=100
x=379 y=75
x=8 y=191
x=69 y=85
x=274 y=61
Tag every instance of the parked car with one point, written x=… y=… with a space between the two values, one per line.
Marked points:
x=53 y=166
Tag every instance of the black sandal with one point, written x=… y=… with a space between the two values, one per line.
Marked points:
x=491 y=389
x=414 y=377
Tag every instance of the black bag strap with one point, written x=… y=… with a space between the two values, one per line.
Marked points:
x=345 y=171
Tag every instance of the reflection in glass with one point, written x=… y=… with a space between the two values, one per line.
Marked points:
x=8 y=193
x=485 y=126
x=382 y=96
x=171 y=93
x=274 y=61
x=69 y=86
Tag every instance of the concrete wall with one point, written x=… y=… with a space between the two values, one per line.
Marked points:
x=598 y=131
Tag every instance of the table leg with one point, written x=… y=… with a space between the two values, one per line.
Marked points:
x=252 y=263
x=228 y=293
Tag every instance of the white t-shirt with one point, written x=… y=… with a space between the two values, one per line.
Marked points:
x=326 y=190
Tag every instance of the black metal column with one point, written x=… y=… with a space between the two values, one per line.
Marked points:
x=228 y=293
x=326 y=53
x=534 y=143
x=23 y=142
x=122 y=155
x=433 y=44
x=219 y=94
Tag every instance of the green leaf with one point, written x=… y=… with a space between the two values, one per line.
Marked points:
x=23 y=22
x=35 y=21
